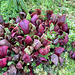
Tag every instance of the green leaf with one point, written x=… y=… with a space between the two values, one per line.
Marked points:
x=36 y=37
x=53 y=32
x=1 y=73
x=11 y=62
x=28 y=17
x=23 y=5
x=50 y=62
x=33 y=64
x=12 y=53
x=60 y=37
x=51 y=26
x=7 y=31
x=45 y=56
x=28 y=63
x=45 y=18
x=17 y=44
x=48 y=34
x=57 y=45
x=39 y=66
x=4 y=69
x=15 y=4
x=51 y=36
x=52 y=46
x=26 y=69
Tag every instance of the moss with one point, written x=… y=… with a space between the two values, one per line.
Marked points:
x=68 y=67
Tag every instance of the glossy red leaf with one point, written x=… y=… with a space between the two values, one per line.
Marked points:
x=58 y=50
x=5 y=73
x=61 y=20
x=38 y=11
x=56 y=28
x=3 y=51
x=15 y=57
x=19 y=65
x=16 y=49
x=4 y=42
x=12 y=70
x=41 y=29
x=36 y=44
x=1 y=31
x=54 y=18
x=38 y=62
x=43 y=59
x=34 y=18
x=46 y=42
x=9 y=58
x=35 y=54
x=73 y=44
x=47 y=23
x=54 y=59
x=65 y=27
x=72 y=54
x=61 y=60
x=28 y=39
x=3 y=62
x=32 y=14
x=64 y=41
x=24 y=24
x=26 y=58
x=44 y=51
x=38 y=22
x=49 y=13
x=18 y=19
